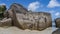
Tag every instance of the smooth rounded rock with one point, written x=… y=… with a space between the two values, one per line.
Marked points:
x=56 y=32
x=57 y=21
x=29 y=20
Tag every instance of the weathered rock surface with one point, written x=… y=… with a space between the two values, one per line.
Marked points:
x=56 y=32
x=29 y=20
x=34 y=20
x=6 y=14
x=57 y=21
x=19 y=8
x=12 y=15
x=6 y=22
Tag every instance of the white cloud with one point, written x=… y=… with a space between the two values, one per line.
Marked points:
x=53 y=3
x=2 y=4
x=57 y=14
x=33 y=6
x=52 y=11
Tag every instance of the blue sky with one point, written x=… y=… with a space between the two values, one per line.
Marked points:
x=51 y=6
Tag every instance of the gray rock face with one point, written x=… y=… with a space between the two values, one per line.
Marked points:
x=29 y=20
x=56 y=32
x=6 y=22
x=12 y=15
x=57 y=21
x=19 y=8
x=36 y=21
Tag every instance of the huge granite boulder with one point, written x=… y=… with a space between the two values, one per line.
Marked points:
x=57 y=21
x=29 y=20
x=34 y=21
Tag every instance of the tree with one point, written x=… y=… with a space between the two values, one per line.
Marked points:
x=2 y=10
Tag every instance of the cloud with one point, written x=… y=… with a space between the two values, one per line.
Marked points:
x=52 y=11
x=57 y=14
x=33 y=6
x=2 y=4
x=53 y=3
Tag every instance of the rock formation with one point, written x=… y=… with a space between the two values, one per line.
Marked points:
x=12 y=15
x=19 y=8
x=57 y=21
x=56 y=32
x=5 y=22
x=24 y=19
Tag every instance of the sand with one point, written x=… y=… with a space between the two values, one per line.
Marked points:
x=15 y=30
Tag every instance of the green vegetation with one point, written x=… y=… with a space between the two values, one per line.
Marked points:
x=2 y=10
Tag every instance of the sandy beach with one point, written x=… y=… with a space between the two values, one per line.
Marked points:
x=15 y=30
